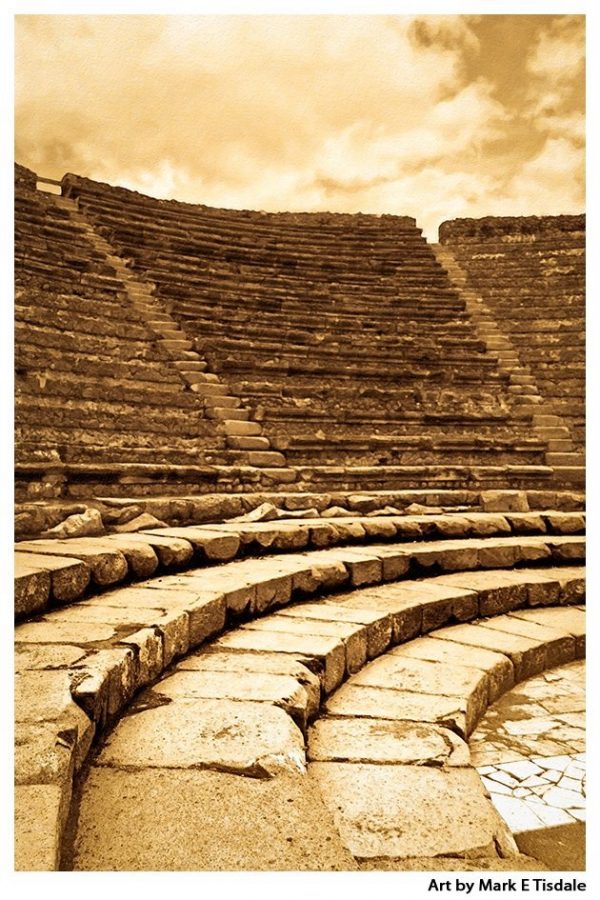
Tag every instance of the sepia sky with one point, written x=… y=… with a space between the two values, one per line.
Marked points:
x=429 y=116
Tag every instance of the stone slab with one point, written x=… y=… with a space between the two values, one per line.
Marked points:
x=328 y=650
x=429 y=677
x=170 y=550
x=567 y=619
x=256 y=739
x=251 y=663
x=412 y=811
x=353 y=635
x=69 y=577
x=498 y=667
x=169 y=820
x=560 y=645
x=39 y=813
x=107 y=565
x=385 y=741
x=355 y=700
x=528 y=657
x=378 y=624
x=281 y=690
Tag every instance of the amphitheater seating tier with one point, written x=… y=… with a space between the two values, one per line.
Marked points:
x=91 y=383
x=335 y=352
x=530 y=271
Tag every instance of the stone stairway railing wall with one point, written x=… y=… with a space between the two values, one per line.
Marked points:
x=530 y=273
x=342 y=333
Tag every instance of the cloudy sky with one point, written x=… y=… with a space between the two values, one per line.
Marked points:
x=429 y=116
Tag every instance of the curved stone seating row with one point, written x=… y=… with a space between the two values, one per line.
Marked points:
x=79 y=665
x=390 y=753
x=202 y=273
x=36 y=519
x=418 y=704
x=56 y=571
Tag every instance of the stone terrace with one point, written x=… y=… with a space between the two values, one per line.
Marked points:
x=530 y=272
x=92 y=385
x=273 y=564
x=342 y=334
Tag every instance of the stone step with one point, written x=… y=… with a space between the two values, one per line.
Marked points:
x=561 y=446
x=199 y=377
x=221 y=402
x=241 y=442
x=266 y=458
x=546 y=420
x=210 y=389
x=228 y=413
x=565 y=459
x=523 y=379
x=234 y=426
x=175 y=346
x=189 y=366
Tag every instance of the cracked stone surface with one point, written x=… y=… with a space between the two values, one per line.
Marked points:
x=529 y=750
x=254 y=738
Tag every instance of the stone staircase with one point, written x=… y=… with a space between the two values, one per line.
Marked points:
x=232 y=419
x=562 y=454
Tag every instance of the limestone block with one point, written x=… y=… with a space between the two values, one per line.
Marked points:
x=107 y=566
x=559 y=644
x=497 y=666
x=569 y=619
x=353 y=635
x=385 y=741
x=141 y=558
x=405 y=609
x=377 y=624
x=266 y=687
x=566 y=523
x=83 y=524
x=31 y=587
x=46 y=656
x=285 y=825
x=215 y=546
x=504 y=501
x=408 y=811
x=240 y=663
x=363 y=701
x=430 y=677
x=567 y=548
x=254 y=739
x=148 y=649
x=141 y=522
x=171 y=551
x=175 y=629
x=323 y=575
x=266 y=512
x=56 y=631
x=527 y=656
x=69 y=577
x=104 y=682
x=43 y=755
x=39 y=822
x=329 y=651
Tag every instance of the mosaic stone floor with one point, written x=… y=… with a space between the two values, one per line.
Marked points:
x=530 y=750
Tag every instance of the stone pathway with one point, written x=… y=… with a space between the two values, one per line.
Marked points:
x=529 y=749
